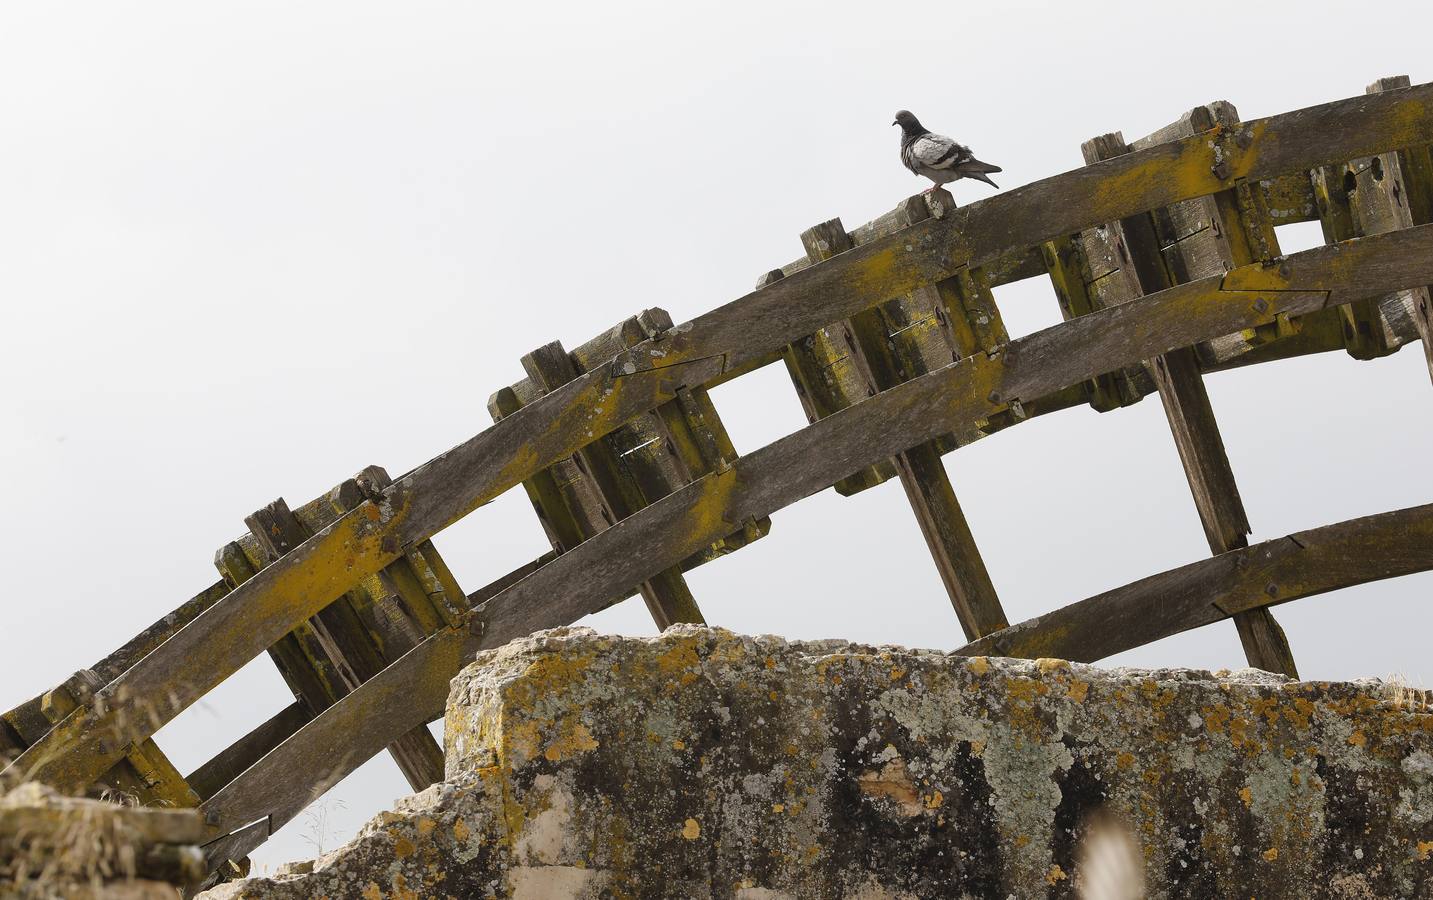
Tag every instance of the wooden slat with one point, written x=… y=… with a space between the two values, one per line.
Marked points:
x=829 y=376
x=145 y=773
x=1212 y=590
x=952 y=399
x=328 y=748
x=667 y=596
x=297 y=655
x=1221 y=232
x=1069 y=269
x=347 y=648
x=658 y=450
x=363 y=542
x=249 y=749
x=26 y=723
x=1395 y=190
x=966 y=320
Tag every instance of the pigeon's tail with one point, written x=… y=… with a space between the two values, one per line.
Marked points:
x=974 y=168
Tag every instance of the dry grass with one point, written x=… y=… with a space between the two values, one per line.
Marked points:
x=84 y=844
x=1405 y=697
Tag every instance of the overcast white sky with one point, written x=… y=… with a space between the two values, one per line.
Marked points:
x=249 y=248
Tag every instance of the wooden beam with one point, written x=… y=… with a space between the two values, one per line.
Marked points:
x=145 y=773
x=668 y=598
x=363 y=542
x=249 y=749
x=1218 y=236
x=1212 y=590
x=961 y=315
x=346 y=647
x=27 y=722
x=1395 y=190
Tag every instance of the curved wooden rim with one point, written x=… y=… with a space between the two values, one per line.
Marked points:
x=242 y=624
x=1304 y=564
x=603 y=568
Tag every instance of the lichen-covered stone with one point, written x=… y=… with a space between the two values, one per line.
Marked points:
x=707 y=764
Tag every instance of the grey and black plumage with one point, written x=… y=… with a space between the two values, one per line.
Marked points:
x=936 y=156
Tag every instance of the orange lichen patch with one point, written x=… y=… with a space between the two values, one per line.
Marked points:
x=1358 y=739
x=979 y=665
x=1271 y=854
x=1267 y=707
x=679 y=744
x=778 y=807
x=1078 y=690
x=523 y=742
x=1424 y=850
x=460 y=830
x=1056 y=874
x=934 y=800
x=680 y=658
x=977 y=748
x=548 y=675
x=403 y=848
x=1048 y=664
x=401 y=890
x=897 y=673
x=1247 y=795
x=893 y=782
x=1124 y=760
x=426 y=826
x=691 y=829
x=575 y=740
x=372 y=891
x=1299 y=713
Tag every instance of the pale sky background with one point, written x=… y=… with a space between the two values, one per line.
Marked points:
x=248 y=248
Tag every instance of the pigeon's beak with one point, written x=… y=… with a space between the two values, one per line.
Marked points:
x=895 y=123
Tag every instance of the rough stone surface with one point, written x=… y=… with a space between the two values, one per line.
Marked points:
x=54 y=847
x=708 y=764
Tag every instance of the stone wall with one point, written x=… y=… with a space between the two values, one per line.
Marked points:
x=708 y=764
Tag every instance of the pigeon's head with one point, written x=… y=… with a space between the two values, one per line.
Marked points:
x=908 y=122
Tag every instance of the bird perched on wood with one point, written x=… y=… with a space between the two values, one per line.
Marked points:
x=936 y=156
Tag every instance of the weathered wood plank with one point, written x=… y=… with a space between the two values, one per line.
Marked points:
x=830 y=375
x=668 y=598
x=1212 y=590
x=1395 y=190
x=424 y=501
x=968 y=321
x=247 y=750
x=145 y=773
x=297 y=655
x=1070 y=275
x=1220 y=233
x=28 y=724
x=346 y=646
x=340 y=739
x=658 y=451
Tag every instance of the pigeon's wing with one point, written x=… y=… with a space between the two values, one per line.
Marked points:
x=936 y=151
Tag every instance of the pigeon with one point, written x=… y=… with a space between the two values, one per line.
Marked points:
x=936 y=156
